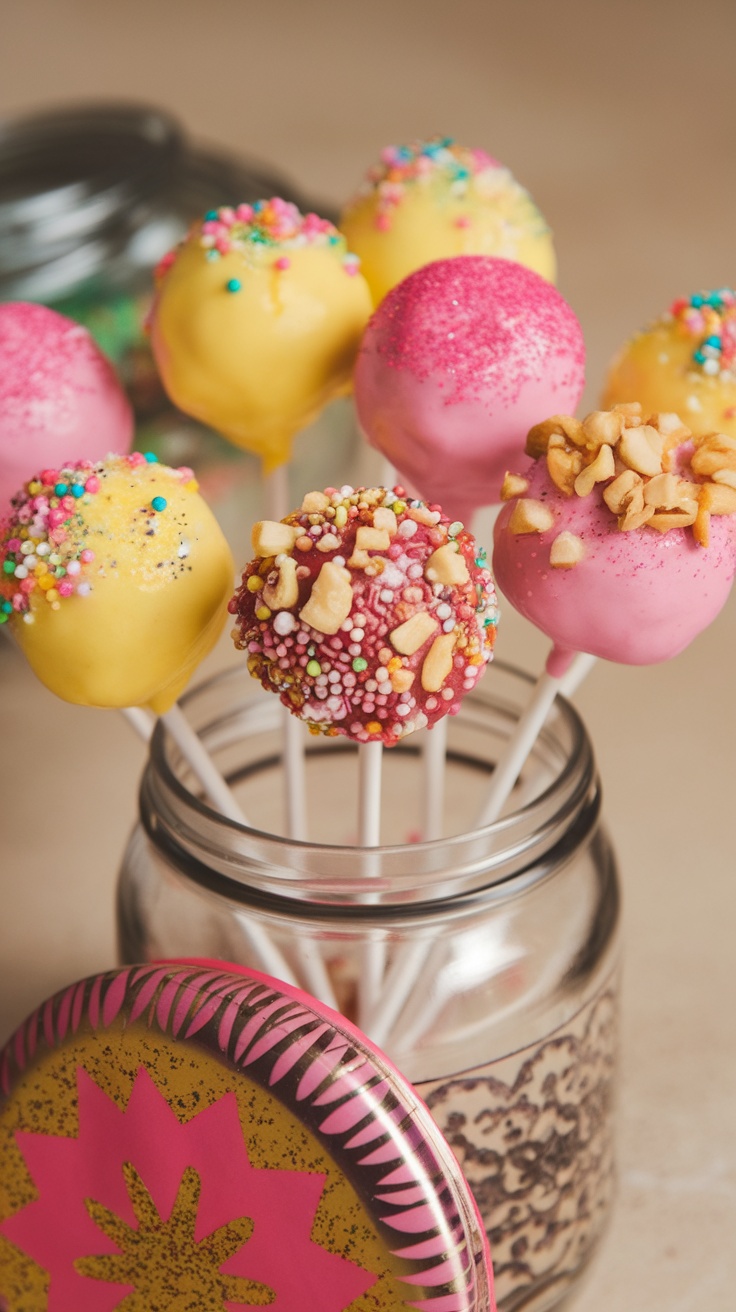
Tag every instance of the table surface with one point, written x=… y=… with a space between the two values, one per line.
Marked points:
x=619 y=119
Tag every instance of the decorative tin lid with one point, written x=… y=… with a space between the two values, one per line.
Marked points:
x=199 y=1138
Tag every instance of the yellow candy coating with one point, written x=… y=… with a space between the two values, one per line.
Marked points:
x=255 y=333
x=129 y=626
x=431 y=201
x=685 y=362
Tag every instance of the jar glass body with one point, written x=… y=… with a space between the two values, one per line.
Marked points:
x=498 y=948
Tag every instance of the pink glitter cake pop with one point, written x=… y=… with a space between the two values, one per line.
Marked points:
x=454 y=367
x=60 y=398
x=620 y=539
x=370 y=614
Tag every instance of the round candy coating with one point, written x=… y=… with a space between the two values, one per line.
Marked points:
x=625 y=549
x=435 y=199
x=115 y=578
x=256 y=322
x=456 y=364
x=60 y=398
x=683 y=362
x=369 y=614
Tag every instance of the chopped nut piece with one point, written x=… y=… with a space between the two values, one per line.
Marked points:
x=629 y=409
x=670 y=425
x=637 y=447
x=372 y=539
x=603 y=427
x=359 y=560
x=665 y=491
x=713 y=453
x=603 y=467
x=401 y=680
x=384 y=518
x=722 y=499
x=330 y=600
x=701 y=527
x=437 y=664
x=665 y=520
x=563 y=467
x=270 y=537
x=513 y=486
x=422 y=515
x=635 y=518
x=328 y=542
x=537 y=439
x=315 y=503
x=726 y=476
x=530 y=516
x=446 y=565
x=285 y=591
x=413 y=633
x=618 y=493
x=566 y=551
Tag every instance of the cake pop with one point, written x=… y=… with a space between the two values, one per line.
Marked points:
x=435 y=199
x=370 y=614
x=115 y=578
x=59 y=396
x=620 y=538
x=256 y=322
x=683 y=362
x=456 y=364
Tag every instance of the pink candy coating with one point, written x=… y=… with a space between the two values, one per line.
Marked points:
x=457 y=363
x=637 y=597
x=60 y=399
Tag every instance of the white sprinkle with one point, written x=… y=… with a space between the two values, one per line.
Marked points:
x=407 y=528
x=284 y=622
x=448 y=626
x=444 y=611
x=358 y=635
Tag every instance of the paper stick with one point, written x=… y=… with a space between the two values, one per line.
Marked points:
x=372 y=957
x=140 y=721
x=434 y=753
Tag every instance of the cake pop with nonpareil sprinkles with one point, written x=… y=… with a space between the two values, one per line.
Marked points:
x=619 y=538
x=455 y=366
x=369 y=613
x=114 y=578
x=431 y=200
x=256 y=322
x=60 y=398
x=683 y=362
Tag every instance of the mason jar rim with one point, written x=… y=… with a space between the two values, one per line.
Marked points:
x=251 y=864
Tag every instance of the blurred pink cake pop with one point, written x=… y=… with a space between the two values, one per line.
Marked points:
x=60 y=398
x=456 y=364
x=370 y=614
x=620 y=539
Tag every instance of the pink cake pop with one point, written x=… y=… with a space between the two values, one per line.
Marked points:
x=456 y=364
x=60 y=398
x=371 y=615
x=620 y=539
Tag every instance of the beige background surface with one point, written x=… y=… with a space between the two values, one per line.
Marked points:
x=620 y=120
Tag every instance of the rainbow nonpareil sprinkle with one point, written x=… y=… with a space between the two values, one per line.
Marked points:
x=402 y=167
x=710 y=318
x=42 y=542
x=273 y=225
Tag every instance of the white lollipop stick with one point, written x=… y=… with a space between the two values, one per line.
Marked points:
x=276 y=486
x=197 y=758
x=406 y=972
x=434 y=752
x=140 y=721
x=510 y=763
x=373 y=954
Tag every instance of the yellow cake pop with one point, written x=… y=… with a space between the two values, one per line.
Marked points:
x=256 y=323
x=684 y=362
x=115 y=578
x=435 y=199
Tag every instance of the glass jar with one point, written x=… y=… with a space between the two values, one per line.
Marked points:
x=498 y=948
